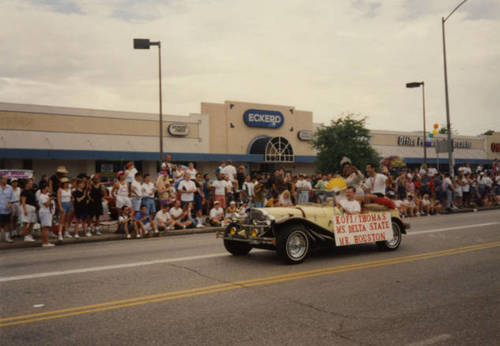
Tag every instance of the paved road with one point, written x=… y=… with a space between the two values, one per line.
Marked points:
x=441 y=287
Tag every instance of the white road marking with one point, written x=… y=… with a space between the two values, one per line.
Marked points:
x=38 y=305
x=110 y=267
x=453 y=228
x=181 y=259
x=431 y=341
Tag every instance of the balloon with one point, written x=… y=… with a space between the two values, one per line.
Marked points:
x=434 y=132
x=431 y=135
x=428 y=144
x=436 y=126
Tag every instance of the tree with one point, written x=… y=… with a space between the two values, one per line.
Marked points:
x=489 y=133
x=443 y=130
x=345 y=136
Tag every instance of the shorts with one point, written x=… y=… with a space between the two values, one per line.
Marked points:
x=121 y=228
x=81 y=214
x=136 y=203
x=95 y=209
x=4 y=219
x=183 y=203
x=15 y=209
x=221 y=199
x=122 y=201
x=45 y=218
x=30 y=216
x=67 y=207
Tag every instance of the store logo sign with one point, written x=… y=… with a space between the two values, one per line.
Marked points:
x=305 y=135
x=178 y=129
x=263 y=118
x=495 y=147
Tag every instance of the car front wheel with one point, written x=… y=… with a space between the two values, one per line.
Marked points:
x=236 y=248
x=292 y=244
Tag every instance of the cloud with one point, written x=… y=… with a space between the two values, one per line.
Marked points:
x=324 y=56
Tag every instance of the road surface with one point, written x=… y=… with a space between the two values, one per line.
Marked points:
x=440 y=288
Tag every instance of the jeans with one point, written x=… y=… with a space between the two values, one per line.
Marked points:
x=136 y=203
x=303 y=197
x=149 y=202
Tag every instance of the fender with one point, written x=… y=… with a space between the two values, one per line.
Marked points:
x=315 y=232
x=403 y=226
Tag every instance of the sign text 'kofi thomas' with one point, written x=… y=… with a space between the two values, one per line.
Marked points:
x=263 y=118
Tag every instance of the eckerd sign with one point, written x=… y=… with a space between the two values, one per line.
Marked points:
x=263 y=118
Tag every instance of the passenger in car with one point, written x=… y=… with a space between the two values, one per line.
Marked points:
x=350 y=205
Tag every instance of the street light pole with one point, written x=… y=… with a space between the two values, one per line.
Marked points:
x=448 y=124
x=144 y=43
x=423 y=109
x=416 y=85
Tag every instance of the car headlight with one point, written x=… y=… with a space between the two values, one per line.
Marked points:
x=260 y=216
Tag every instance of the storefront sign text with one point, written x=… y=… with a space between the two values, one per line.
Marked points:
x=305 y=135
x=362 y=228
x=178 y=129
x=407 y=141
x=263 y=118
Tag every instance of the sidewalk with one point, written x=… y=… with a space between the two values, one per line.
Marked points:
x=107 y=234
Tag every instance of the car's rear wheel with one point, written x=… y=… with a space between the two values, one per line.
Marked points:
x=391 y=245
x=292 y=244
x=236 y=248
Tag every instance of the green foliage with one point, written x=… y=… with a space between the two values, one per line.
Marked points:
x=346 y=136
x=489 y=133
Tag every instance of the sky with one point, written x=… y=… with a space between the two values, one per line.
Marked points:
x=328 y=57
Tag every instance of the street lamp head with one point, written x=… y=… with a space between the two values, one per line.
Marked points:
x=414 y=84
x=141 y=43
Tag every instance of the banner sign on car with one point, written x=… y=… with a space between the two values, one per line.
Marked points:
x=362 y=228
x=263 y=118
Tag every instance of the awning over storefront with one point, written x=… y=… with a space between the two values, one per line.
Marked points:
x=49 y=154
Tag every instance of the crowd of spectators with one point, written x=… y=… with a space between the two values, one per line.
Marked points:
x=180 y=197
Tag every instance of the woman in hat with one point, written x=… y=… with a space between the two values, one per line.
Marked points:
x=65 y=206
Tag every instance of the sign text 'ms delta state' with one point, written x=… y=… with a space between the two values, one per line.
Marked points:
x=263 y=118
x=362 y=228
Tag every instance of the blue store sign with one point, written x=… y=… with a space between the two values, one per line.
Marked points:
x=263 y=118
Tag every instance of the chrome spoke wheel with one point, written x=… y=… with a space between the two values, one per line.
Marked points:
x=297 y=245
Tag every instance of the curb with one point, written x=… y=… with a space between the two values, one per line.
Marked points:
x=469 y=210
x=19 y=244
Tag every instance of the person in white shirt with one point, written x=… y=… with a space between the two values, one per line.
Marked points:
x=350 y=205
x=229 y=189
x=220 y=188
x=136 y=192
x=216 y=215
x=231 y=211
x=432 y=171
x=148 y=194
x=16 y=204
x=120 y=191
x=45 y=214
x=229 y=170
x=285 y=199
x=426 y=205
x=247 y=190
x=130 y=172
x=163 y=219
x=303 y=187
x=191 y=171
x=375 y=182
x=176 y=212
x=186 y=188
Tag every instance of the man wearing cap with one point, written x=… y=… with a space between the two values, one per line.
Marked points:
x=6 y=199
x=216 y=215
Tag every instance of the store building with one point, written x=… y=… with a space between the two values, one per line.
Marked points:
x=260 y=136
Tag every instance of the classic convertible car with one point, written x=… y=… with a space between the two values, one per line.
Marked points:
x=293 y=231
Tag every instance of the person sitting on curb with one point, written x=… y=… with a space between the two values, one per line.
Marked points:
x=217 y=215
x=126 y=222
x=144 y=222
x=163 y=218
